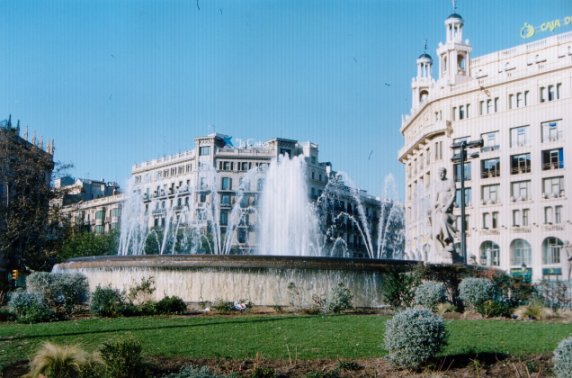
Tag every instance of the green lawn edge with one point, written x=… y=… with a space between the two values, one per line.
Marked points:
x=275 y=337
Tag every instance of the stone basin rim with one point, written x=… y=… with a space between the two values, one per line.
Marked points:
x=238 y=261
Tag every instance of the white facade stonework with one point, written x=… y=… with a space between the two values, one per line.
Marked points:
x=519 y=101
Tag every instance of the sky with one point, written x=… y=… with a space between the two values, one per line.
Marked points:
x=118 y=82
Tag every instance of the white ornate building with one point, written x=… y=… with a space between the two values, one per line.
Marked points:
x=519 y=102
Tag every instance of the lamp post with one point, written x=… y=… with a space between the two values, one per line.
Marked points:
x=461 y=157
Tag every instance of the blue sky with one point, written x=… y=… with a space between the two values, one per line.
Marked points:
x=119 y=82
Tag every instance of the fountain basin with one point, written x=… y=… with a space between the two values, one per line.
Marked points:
x=262 y=280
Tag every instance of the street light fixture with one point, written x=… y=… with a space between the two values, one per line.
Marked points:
x=461 y=157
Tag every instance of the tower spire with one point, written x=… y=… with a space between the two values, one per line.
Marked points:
x=454 y=3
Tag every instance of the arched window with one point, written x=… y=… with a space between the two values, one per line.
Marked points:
x=520 y=252
x=490 y=254
x=551 y=250
x=461 y=62
x=423 y=96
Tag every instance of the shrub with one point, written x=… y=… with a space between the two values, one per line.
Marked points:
x=414 y=336
x=62 y=291
x=122 y=358
x=429 y=294
x=338 y=300
x=64 y=361
x=143 y=291
x=398 y=288
x=194 y=372
x=170 y=305
x=445 y=307
x=563 y=359
x=474 y=291
x=30 y=307
x=107 y=301
x=495 y=308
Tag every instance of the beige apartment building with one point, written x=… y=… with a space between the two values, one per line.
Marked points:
x=519 y=102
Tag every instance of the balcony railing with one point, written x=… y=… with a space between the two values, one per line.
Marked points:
x=551 y=165
x=490 y=173
x=521 y=169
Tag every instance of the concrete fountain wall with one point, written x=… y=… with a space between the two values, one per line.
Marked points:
x=262 y=280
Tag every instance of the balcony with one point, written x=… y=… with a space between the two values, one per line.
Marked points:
x=520 y=170
x=490 y=173
x=490 y=148
x=555 y=194
x=552 y=165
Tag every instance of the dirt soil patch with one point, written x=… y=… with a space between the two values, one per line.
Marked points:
x=454 y=366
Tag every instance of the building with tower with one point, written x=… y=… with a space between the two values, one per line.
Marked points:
x=518 y=101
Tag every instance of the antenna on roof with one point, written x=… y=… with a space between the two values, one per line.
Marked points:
x=425 y=47
x=454 y=2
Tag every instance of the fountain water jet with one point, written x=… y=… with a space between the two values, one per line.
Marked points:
x=295 y=232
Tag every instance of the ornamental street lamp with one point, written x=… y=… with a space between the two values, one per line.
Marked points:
x=460 y=156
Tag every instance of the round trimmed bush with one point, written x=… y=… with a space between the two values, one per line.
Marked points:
x=30 y=307
x=414 y=336
x=429 y=294
x=171 y=305
x=475 y=291
x=563 y=359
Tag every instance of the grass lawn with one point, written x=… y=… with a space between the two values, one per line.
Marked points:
x=308 y=337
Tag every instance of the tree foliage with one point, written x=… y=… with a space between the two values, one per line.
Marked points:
x=85 y=243
x=30 y=230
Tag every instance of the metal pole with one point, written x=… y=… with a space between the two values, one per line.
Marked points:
x=463 y=226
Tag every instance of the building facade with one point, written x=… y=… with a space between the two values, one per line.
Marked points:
x=519 y=102
x=213 y=176
x=201 y=187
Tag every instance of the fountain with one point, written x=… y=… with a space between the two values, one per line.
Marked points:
x=301 y=248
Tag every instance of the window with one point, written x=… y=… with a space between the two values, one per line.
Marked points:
x=490 y=254
x=552 y=159
x=467 y=171
x=519 y=136
x=550 y=92
x=520 y=217
x=467 y=197
x=490 y=141
x=511 y=103
x=553 y=187
x=490 y=168
x=259 y=184
x=548 y=215
x=203 y=184
x=225 y=199
x=100 y=214
x=204 y=150
x=551 y=131
x=520 y=253
x=226 y=166
x=486 y=220
x=461 y=112
x=558 y=214
x=551 y=248
x=226 y=183
x=224 y=218
x=458 y=222
x=520 y=190
x=242 y=235
x=490 y=194
x=520 y=163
